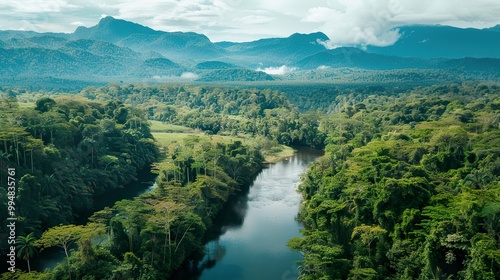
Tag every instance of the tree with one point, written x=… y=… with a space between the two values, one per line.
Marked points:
x=26 y=247
x=63 y=237
x=368 y=234
x=478 y=179
x=33 y=144
x=44 y=104
x=106 y=160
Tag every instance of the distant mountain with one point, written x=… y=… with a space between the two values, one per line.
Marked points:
x=23 y=39
x=116 y=49
x=102 y=48
x=214 y=65
x=276 y=51
x=356 y=58
x=160 y=63
x=28 y=62
x=20 y=43
x=353 y=57
x=9 y=34
x=112 y=30
x=443 y=41
x=495 y=28
x=157 y=67
x=180 y=45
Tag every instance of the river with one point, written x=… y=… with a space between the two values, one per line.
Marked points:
x=254 y=228
x=248 y=239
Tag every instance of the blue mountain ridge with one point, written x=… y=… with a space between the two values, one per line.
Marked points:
x=443 y=41
x=120 y=48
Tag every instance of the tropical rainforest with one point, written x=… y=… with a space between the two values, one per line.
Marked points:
x=408 y=187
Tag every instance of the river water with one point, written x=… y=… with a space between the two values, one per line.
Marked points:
x=254 y=228
x=249 y=237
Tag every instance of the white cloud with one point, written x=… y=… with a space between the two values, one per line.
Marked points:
x=36 y=6
x=189 y=76
x=346 y=22
x=183 y=76
x=363 y=22
x=254 y=19
x=277 y=70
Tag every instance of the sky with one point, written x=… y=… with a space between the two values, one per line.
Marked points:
x=345 y=22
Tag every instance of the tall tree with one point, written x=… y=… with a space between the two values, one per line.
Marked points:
x=26 y=247
x=63 y=237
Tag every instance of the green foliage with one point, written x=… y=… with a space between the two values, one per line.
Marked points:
x=26 y=248
x=66 y=151
x=409 y=193
x=150 y=236
x=220 y=110
x=408 y=187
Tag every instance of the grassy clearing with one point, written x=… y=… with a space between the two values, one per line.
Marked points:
x=26 y=105
x=273 y=157
x=271 y=154
x=157 y=126
x=167 y=138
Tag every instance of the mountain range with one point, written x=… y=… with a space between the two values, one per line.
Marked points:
x=116 y=49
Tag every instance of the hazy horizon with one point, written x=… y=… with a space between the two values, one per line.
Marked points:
x=360 y=22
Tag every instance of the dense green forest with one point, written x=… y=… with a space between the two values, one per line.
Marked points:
x=408 y=187
x=150 y=236
x=223 y=110
x=99 y=144
x=65 y=151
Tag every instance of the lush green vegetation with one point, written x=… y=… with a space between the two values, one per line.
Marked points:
x=66 y=151
x=408 y=188
x=219 y=110
x=198 y=173
x=148 y=237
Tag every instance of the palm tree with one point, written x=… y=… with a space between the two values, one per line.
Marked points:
x=478 y=179
x=25 y=248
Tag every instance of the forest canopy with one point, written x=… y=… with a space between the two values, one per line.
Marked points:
x=408 y=187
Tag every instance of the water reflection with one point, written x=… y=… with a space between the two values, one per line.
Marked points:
x=250 y=238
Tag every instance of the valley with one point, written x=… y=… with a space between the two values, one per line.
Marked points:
x=146 y=154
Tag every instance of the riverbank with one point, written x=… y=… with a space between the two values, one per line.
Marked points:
x=213 y=191
x=159 y=229
x=248 y=238
x=285 y=153
x=166 y=135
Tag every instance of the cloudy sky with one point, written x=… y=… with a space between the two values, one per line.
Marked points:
x=346 y=22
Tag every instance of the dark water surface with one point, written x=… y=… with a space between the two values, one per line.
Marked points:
x=255 y=228
x=249 y=237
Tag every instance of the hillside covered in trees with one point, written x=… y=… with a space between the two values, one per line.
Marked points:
x=220 y=110
x=150 y=236
x=67 y=150
x=408 y=187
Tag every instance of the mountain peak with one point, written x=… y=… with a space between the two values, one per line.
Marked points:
x=106 y=19
x=311 y=36
x=123 y=26
x=111 y=29
x=494 y=28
